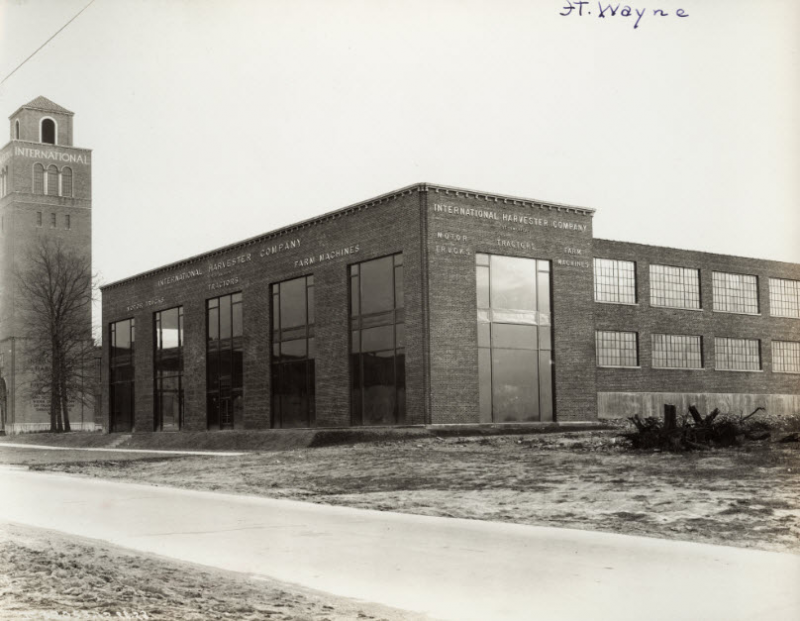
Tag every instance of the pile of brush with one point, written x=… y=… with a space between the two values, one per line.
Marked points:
x=695 y=432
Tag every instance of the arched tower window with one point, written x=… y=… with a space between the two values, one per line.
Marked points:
x=49 y=131
x=38 y=179
x=66 y=182
x=52 y=180
x=16 y=129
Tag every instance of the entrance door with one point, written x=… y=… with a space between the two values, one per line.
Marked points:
x=515 y=363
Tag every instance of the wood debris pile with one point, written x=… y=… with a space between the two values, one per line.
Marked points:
x=695 y=432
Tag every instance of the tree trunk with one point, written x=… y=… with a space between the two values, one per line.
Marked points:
x=65 y=405
x=55 y=418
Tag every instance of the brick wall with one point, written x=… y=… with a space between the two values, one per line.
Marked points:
x=366 y=232
x=439 y=230
x=648 y=320
x=514 y=228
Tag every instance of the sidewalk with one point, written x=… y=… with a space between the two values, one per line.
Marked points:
x=447 y=568
x=43 y=447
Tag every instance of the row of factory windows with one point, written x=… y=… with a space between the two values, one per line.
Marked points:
x=678 y=351
x=377 y=358
x=679 y=287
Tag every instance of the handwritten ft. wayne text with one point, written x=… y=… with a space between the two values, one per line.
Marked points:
x=604 y=11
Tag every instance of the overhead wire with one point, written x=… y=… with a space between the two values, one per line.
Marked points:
x=38 y=49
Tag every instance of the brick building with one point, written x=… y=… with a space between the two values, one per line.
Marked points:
x=438 y=305
x=45 y=194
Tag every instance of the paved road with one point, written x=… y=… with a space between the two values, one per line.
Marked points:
x=447 y=568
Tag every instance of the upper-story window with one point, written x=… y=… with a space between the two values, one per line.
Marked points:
x=66 y=182
x=16 y=129
x=51 y=180
x=735 y=293
x=38 y=179
x=674 y=287
x=48 y=131
x=614 y=281
x=784 y=297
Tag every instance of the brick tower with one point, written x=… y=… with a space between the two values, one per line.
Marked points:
x=45 y=190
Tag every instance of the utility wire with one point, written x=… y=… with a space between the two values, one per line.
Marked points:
x=46 y=42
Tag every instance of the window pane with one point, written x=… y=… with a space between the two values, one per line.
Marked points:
x=735 y=293
x=485 y=383
x=376 y=339
x=293 y=303
x=377 y=286
x=513 y=283
x=614 y=281
x=515 y=389
x=236 y=319
x=398 y=286
x=617 y=349
x=784 y=297
x=293 y=349
x=225 y=317
x=483 y=286
x=737 y=354
x=673 y=351
x=379 y=395
x=514 y=336
x=674 y=287
x=355 y=296
x=785 y=357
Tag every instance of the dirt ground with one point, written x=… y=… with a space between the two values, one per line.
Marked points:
x=748 y=497
x=47 y=575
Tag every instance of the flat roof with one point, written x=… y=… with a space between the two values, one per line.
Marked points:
x=416 y=187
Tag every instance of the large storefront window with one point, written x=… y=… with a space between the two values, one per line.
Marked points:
x=224 y=361
x=168 y=369
x=377 y=342
x=121 y=396
x=293 y=353
x=514 y=339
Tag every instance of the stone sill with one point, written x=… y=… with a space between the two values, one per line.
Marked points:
x=696 y=310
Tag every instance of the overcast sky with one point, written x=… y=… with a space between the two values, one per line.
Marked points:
x=213 y=121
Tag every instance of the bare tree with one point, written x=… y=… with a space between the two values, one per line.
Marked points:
x=55 y=293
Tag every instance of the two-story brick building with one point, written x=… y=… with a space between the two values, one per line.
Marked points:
x=439 y=305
